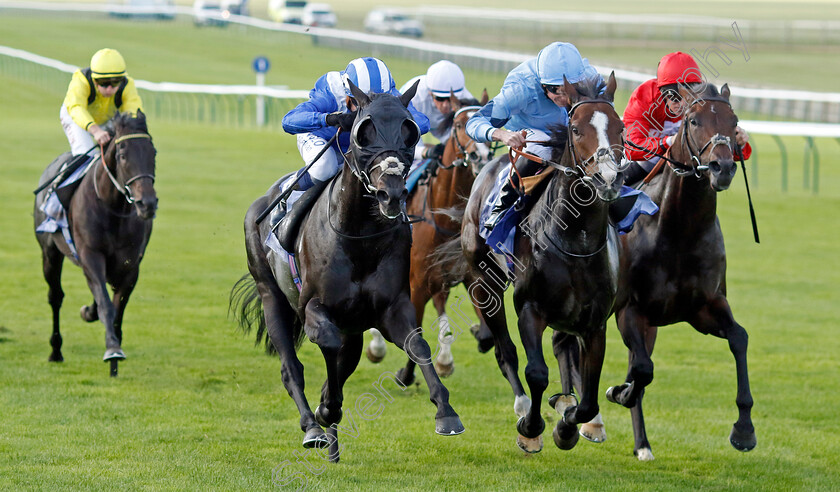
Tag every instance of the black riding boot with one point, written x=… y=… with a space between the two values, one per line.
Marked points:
x=280 y=210
x=636 y=172
x=509 y=193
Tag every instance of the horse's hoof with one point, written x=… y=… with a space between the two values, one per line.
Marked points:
x=315 y=438
x=444 y=370
x=530 y=445
x=113 y=354
x=742 y=441
x=55 y=357
x=644 y=454
x=88 y=314
x=449 y=426
x=562 y=401
x=485 y=343
x=593 y=430
x=521 y=405
x=565 y=435
x=615 y=395
x=520 y=427
x=326 y=418
x=375 y=355
x=405 y=380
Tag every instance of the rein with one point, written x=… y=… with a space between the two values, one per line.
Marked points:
x=124 y=189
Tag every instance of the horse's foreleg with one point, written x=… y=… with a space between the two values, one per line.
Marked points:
x=52 y=262
x=93 y=265
x=444 y=363
x=348 y=359
x=591 y=362
x=716 y=319
x=532 y=425
x=567 y=351
x=639 y=336
x=323 y=332
x=397 y=324
x=120 y=300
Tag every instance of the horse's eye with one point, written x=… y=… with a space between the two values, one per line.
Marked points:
x=575 y=130
x=693 y=121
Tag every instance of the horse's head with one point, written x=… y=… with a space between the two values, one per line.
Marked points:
x=595 y=138
x=382 y=147
x=461 y=149
x=130 y=161
x=708 y=133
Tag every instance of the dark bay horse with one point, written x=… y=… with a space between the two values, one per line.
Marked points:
x=353 y=249
x=110 y=217
x=566 y=264
x=673 y=266
x=446 y=190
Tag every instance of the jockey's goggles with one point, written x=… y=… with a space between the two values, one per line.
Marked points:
x=109 y=82
x=555 y=89
x=672 y=95
x=440 y=98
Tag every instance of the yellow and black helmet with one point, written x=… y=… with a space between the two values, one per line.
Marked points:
x=107 y=63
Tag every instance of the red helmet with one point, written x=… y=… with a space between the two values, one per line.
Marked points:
x=677 y=68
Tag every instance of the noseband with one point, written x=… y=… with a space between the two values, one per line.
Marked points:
x=124 y=189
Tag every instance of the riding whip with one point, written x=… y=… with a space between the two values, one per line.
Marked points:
x=749 y=198
x=67 y=171
x=288 y=190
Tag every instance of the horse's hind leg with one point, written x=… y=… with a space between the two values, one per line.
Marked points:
x=444 y=363
x=481 y=332
x=567 y=353
x=53 y=262
x=397 y=325
x=491 y=305
x=716 y=319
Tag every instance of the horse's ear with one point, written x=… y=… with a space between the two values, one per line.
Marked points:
x=141 y=115
x=360 y=96
x=409 y=94
x=609 y=92
x=724 y=91
x=454 y=101
x=570 y=91
x=484 y=97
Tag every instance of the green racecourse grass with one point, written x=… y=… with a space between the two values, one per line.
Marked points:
x=196 y=406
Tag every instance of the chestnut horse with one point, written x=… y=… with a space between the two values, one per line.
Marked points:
x=673 y=266
x=110 y=216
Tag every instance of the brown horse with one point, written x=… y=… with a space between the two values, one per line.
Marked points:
x=673 y=266
x=566 y=264
x=110 y=217
x=444 y=192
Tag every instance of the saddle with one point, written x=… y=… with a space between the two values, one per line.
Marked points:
x=289 y=227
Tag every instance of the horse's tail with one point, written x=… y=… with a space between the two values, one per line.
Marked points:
x=246 y=307
x=448 y=256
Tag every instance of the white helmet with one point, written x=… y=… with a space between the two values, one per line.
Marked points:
x=443 y=77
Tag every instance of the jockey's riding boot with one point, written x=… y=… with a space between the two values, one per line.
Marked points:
x=280 y=210
x=636 y=172
x=507 y=197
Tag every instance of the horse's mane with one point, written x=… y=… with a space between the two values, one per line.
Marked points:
x=448 y=119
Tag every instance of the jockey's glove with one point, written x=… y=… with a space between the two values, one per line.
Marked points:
x=341 y=119
x=434 y=151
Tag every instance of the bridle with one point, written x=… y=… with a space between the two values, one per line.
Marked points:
x=579 y=168
x=123 y=189
x=694 y=167
x=384 y=164
x=467 y=155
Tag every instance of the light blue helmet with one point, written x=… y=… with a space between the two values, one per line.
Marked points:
x=369 y=74
x=559 y=59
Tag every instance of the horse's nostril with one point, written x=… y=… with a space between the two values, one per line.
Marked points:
x=382 y=196
x=714 y=166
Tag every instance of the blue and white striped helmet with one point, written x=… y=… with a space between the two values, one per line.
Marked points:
x=368 y=74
